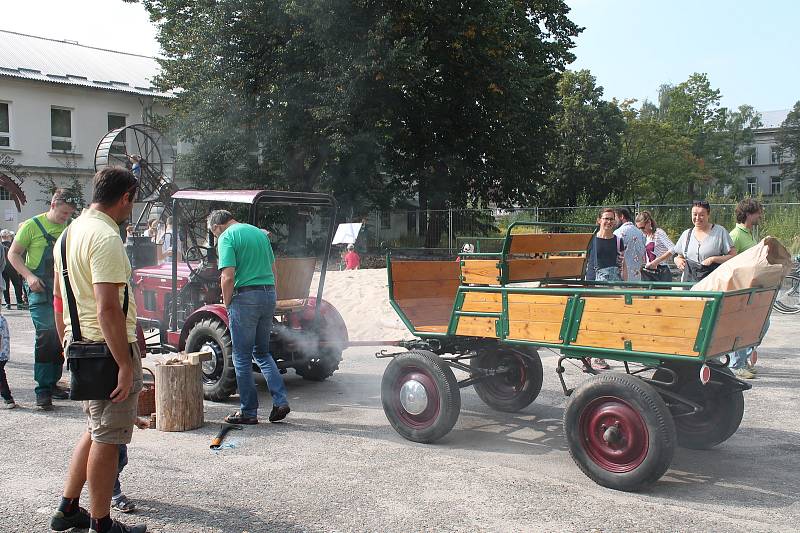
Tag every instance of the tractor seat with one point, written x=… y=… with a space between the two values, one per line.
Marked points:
x=286 y=306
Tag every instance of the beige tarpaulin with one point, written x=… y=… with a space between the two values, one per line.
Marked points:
x=763 y=265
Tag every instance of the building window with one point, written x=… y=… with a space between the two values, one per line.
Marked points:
x=116 y=122
x=776 y=155
x=4 y=194
x=61 y=128
x=386 y=220
x=752 y=158
x=5 y=125
x=775 y=186
x=752 y=186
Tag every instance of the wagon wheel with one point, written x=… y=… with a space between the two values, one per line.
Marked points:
x=420 y=396
x=620 y=432
x=156 y=153
x=722 y=403
x=518 y=380
x=192 y=218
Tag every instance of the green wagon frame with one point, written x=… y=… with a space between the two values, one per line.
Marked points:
x=481 y=315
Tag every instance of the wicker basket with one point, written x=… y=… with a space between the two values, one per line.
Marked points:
x=147 y=398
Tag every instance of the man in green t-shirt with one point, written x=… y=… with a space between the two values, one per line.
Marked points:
x=248 y=292
x=35 y=240
x=748 y=214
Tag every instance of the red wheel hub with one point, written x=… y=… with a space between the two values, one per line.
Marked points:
x=427 y=417
x=614 y=434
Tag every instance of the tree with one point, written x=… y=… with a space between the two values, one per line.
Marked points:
x=585 y=160
x=655 y=159
x=731 y=141
x=789 y=144
x=446 y=100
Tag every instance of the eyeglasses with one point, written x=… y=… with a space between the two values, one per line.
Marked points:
x=608 y=219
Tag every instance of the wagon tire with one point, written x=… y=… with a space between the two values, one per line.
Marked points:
x=420 y=396
x=620 y=432
x=723 y=406
x=516 y=389
x=218 y=374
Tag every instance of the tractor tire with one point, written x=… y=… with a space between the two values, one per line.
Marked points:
x=332 y=332
x=620 y=432
x=516 y=389
x=219 y=376
x=420 y=396
x=723 y=406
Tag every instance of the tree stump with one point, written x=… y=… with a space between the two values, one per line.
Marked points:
x=179 y=397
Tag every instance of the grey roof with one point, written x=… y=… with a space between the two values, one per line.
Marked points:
x=773 y=119
x=37 y=58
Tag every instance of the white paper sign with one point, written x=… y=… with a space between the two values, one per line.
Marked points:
x=347 y=233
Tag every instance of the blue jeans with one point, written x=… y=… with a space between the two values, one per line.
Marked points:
x=739 y=357
x=251 y=314
x=123 y=460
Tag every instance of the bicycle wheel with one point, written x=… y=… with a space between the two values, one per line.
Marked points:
x=788 y=299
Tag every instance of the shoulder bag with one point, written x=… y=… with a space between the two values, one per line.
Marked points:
x=93 y=370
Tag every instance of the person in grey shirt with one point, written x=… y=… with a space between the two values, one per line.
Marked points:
x=703 y=247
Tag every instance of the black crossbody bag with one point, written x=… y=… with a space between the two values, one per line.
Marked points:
x=702 y=270
x=93 y=370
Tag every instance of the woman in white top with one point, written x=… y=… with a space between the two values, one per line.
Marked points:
x=702 y=248
x=658 y=249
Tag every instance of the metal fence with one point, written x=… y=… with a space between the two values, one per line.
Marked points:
x=446 y=231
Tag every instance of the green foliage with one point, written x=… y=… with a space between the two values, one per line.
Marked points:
x=588 y=129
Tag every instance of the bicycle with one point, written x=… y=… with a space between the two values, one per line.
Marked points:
x=787 y=301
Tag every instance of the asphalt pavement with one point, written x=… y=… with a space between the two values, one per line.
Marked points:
x=335 y=464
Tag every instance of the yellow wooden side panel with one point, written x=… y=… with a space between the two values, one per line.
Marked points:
x=535 y=317
x=661 y=325
x=486 y=302
x=741 y=319
x=552 y=267
x=530 y=243
x=471 y=326
x=480 y=272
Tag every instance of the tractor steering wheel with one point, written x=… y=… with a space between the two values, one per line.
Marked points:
x=200 y=253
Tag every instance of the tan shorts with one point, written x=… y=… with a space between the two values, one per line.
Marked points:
x=112 y=423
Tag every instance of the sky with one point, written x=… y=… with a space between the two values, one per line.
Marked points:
x=748 y=49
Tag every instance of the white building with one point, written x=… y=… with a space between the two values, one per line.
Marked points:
x=762 y=168
x=57 y=100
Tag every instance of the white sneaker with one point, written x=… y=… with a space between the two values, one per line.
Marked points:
x=743 y=373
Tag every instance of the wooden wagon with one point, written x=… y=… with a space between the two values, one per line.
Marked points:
x=488 y=313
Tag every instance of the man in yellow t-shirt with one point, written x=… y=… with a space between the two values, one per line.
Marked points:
x=35 y=240
x=99 y=273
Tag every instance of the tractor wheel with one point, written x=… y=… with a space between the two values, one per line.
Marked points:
x=519 y=383
x=333 y=336
x=219 y=376
x=420 y=396
x=723 y=406
x=620 y=432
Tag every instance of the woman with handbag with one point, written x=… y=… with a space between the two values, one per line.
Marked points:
x=703 y=247
x=658 y=249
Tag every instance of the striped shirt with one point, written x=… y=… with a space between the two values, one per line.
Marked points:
x=662 y=243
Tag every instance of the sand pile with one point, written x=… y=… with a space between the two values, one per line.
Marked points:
x=362 y=298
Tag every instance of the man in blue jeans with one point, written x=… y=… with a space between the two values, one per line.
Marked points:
x=248 y=292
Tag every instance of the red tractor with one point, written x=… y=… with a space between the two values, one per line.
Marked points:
x=181 y=298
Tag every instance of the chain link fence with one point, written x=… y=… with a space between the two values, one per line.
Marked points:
x=446 y=231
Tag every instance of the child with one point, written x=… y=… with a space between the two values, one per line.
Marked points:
x=119 y=501
x=5 y=350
